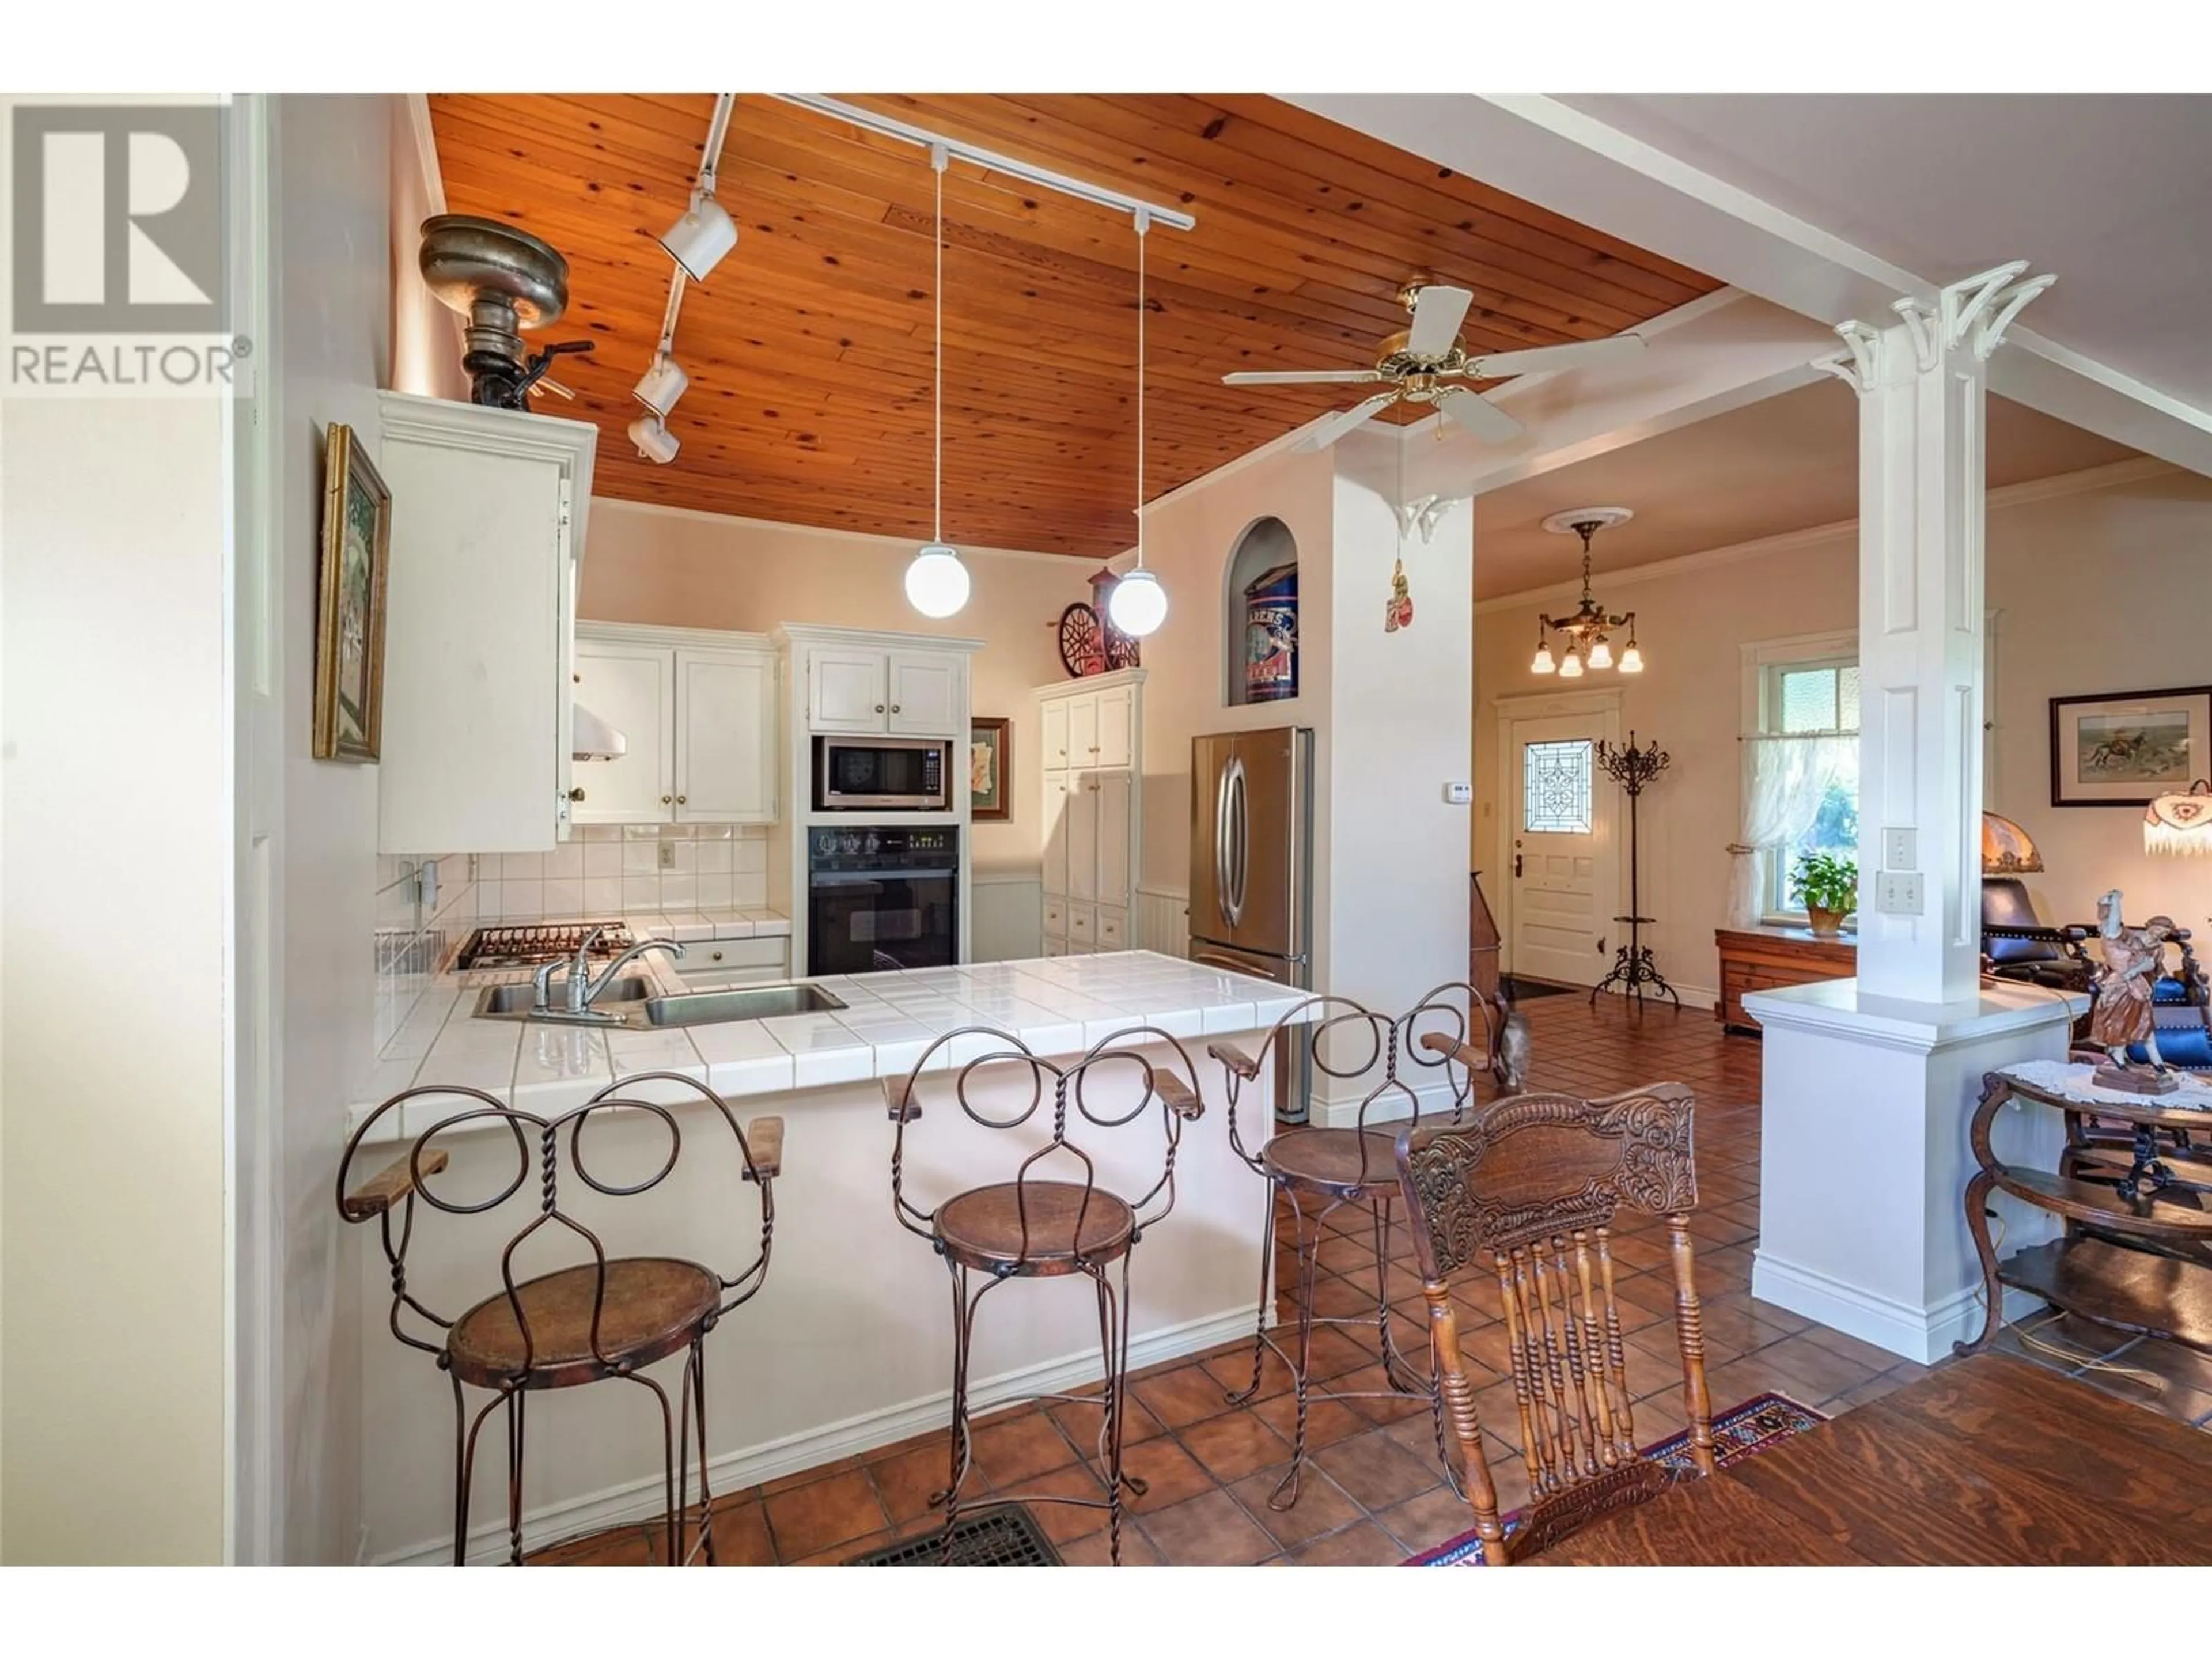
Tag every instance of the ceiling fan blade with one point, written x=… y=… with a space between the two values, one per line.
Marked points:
x=1302 y=377
x=1580 y=353
x=1336 y=426
x=1484 y=419
x=1437 y=313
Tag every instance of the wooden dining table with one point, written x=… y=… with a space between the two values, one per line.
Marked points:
x=1991 y=1461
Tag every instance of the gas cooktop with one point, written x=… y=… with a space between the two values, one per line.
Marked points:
x=528 y=944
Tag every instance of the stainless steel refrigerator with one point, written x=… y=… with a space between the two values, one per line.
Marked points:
x=1251 y=869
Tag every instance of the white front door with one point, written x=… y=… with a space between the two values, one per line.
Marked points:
x=1559 y=851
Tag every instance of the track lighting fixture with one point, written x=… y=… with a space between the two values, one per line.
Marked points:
x=654 y=442
x=663 y=383
x=698 y=240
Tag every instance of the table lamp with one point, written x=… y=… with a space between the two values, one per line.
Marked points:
x=2008 y=849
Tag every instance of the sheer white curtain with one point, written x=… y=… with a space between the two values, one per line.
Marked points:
x=1782 y=790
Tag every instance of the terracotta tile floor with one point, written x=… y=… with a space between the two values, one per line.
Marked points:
x=1373 y=1492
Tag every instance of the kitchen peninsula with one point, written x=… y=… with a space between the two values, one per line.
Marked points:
x=848 y=1347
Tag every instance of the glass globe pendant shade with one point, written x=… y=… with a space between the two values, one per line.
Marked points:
x=1543 y=664
x=1139 y=604
x=1570 y=666
x=937 y=582
x=1631 y=660
x=1601 y=653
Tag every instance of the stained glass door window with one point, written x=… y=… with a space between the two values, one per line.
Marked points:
x=1555 y=788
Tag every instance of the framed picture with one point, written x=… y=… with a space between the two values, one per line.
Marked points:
x=989 y=760
x=2125 y=749
x=350 y=625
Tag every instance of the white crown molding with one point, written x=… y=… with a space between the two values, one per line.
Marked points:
x=683 y=639
x=1088 y=682
x=817 y=633
x=426 y=151
x=2108 y=476
x=737 y=522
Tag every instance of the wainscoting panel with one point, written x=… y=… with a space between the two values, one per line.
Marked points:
x=1007 y=923
x=1163 y=922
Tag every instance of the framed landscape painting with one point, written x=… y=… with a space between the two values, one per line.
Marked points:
x=989 y=760
x=2122 y=749
x=349 y=612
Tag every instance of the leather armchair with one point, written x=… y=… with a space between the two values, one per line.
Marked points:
x=2016 y=944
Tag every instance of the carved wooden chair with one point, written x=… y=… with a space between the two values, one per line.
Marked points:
x=1053 y=1218
x=1532 y=1185
x=1313 y=1172
x=606 y=1316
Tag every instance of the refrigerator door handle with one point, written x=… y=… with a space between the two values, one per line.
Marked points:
x=1221 y=845
x=1238 y=829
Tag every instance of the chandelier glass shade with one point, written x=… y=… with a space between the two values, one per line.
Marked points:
x=1588 y=630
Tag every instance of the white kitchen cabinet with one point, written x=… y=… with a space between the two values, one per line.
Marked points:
x=699 y=711
x=1092 y=754
x=488 y=510
x=929 y=695
x=847 y=691
x=632 y=689
x=725 y=745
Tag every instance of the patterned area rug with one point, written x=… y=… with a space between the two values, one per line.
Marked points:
x=1742 y=1432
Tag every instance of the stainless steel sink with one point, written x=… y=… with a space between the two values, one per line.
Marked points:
x=750 y=1002
x=515 y=1002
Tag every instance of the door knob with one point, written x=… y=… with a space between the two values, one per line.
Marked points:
x=1516 y=864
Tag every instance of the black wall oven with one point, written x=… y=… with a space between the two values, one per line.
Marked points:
x=882 y=775
x=882 y=899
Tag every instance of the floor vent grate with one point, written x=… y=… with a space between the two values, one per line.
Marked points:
x=1007 y=1536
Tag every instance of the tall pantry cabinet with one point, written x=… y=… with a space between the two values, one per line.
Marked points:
x=1093 y=755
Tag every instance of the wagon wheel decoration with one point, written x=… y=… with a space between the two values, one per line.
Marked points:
x=1121 y=649
x=1083 y=642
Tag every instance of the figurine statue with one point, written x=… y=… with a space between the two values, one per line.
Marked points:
x=2131 y=959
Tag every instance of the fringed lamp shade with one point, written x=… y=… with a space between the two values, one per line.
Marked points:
x=2178 y=824
x=2006 y=849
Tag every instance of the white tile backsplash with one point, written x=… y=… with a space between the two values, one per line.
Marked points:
x=412 y=940
x=610 y=868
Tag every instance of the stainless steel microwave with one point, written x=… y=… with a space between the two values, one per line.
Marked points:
x=882 y=775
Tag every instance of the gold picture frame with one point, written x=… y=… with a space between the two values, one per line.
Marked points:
x=990 y=761
x=349 y=604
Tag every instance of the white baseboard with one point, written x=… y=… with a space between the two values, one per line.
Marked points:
x=1925 y=1334
x=1436 y=1100
x=643 y=1498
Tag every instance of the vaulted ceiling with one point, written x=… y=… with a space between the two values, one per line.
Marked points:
x=809 y=347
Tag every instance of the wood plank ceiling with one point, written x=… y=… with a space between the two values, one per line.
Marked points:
x=809 y=348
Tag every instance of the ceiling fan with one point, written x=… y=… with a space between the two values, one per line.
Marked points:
x=1426 y=363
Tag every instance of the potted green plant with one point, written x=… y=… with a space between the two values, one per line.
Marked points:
x=1828 y=887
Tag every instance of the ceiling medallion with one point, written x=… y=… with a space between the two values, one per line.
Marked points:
x=1588 y=630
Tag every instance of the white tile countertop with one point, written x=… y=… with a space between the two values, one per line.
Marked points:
x=684 y=927
x=1058 y=1006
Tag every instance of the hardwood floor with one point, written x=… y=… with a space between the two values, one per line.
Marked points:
x=1374 y=1492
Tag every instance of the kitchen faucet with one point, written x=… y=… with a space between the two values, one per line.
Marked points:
x=582 y=990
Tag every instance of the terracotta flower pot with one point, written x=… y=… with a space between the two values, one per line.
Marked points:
x=1826 y=924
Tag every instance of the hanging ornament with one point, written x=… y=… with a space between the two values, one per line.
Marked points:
x=1398 y=609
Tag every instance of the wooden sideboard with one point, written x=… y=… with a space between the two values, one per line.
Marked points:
x=1763 y=959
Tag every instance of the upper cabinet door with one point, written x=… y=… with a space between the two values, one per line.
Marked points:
x=1083 y=731
x=632 y=688
x=1116 y=721
x=1053 y=756
x=929 y=695
x=725 y=748
x=845 y=692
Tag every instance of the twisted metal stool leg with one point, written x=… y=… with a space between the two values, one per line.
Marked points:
x=517 y=1403
x=963 y=1332
x=705 y=1498
x=1113 y=1348
x=467 y=1461
x=1286 y=1495
x=1259 y=1332
x=669 y=1464
x=460 y=1475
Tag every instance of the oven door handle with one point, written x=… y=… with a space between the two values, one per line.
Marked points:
x=871 y=877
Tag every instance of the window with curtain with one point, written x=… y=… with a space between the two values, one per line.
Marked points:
x=1810 y=716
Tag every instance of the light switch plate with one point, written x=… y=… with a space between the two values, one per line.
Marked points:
x=668 y=855
x=1899 y=850
x=1897 y=892
x=1459 y=794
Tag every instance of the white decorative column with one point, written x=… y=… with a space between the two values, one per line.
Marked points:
x=1869 y=1083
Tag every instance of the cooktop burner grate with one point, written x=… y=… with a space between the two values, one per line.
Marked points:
x=529 y=944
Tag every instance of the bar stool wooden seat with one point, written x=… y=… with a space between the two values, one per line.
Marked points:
x=1313 y=1171
x=1039 y=1226
x=606 y=1318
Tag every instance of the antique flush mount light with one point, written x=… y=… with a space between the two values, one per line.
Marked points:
x=1588 y=630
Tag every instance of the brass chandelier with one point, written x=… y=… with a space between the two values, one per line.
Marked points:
x=1589 y=629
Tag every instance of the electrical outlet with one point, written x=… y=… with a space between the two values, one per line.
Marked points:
x=1459 y=794
x=668 y=855
x=1897 y=892
x=1900 y=850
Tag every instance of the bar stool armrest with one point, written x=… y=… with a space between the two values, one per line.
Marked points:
x=764 y=1142
x=1235 y=1059
x=898 y=1098
x=1452 y=1048
x=380 y=1192
x=1178 y=1095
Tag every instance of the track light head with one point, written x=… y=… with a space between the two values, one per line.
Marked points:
x=698 y=240
x=663 y=383
x=653 y=440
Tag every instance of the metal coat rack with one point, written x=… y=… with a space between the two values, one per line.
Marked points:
x=1633 y=769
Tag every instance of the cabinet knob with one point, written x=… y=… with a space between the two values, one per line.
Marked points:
x=1094 y=748
x=665 y=799
x=879 y=708
x=895 y=708
x=577 y=794
x=682 y=800
x=717 y=955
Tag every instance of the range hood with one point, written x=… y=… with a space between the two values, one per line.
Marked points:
x=591 y=738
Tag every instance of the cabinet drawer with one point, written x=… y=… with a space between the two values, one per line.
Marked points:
x=723 y=955
x=1082 y=923
x=1113 y=929
x=1055 y=918
x=1056 y=947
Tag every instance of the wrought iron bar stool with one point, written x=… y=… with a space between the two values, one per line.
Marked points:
x=606 y=1317
x=1039 y=1226
x=1314 y=1172
x=1535 y=1183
